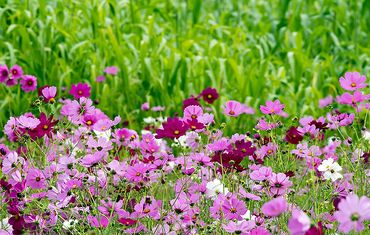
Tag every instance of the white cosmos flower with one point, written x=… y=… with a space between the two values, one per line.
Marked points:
x=67 y=224
x=214 y=188
x=366 y=134
x=149 y=120
x=331 y=169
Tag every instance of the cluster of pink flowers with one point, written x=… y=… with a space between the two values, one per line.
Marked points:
x=11 y=77
x=79 y=170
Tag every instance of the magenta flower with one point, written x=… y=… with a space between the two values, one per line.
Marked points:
x=137 y=172
x=209 y=95
x=233 y=208
x=353 y=211
x=190 y=101
x=299 y=224
x=172 y=128
x=16 y=71
x=80 y=90
x=272 y=107
x=112 y=70
x=233 y=108
x=352 y=81
x=92 y=159
x=28 y=83
x=4 y=73
x=275 y=207
x=35 y=179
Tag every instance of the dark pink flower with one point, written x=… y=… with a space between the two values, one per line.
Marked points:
x=172 y=128
x=28 y=83
x=4 y=73
x=275 y=207
x=209 y=95
x=352 y=81
x=80 y=90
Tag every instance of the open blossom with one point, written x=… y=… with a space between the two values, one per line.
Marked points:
x=192 y=112
x=233 y=108
x=214 y=188
x=28 y=83
x=331 y=169
x=172 y=128
x=273 y=107
x=48 y=93
x=35 y=179
x=233 y=208
x=350 y=99
x=352 y=81
x=80 y=90
x=10 y=77
x=209 y=95
x=353 y=211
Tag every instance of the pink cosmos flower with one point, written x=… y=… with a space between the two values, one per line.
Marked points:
x=275 y=207
x=299 y=224
x=263 y=173
x=28 y=122
x=10 y=162
x=192 y=112
x=265 y=126
x=272 y=107
x=148 y=207
x=35 y=179
x=353 y=211
x=279 y=184
x=242 y=227
x=233 y=208
x=326 y=101
x=49 y=94
x=233 y=108
x=92 y=159
x=28 y=83
x=352 y=81
x=80 y=90
x=137 y=172
x=10 y=78
x=112 y=70
x=349 y=99
x=98 y=221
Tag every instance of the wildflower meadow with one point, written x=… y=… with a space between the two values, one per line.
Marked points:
x=184 y=117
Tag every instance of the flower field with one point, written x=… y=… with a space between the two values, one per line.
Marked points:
x=184 y=117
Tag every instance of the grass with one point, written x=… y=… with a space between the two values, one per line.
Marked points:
x=167 y=50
